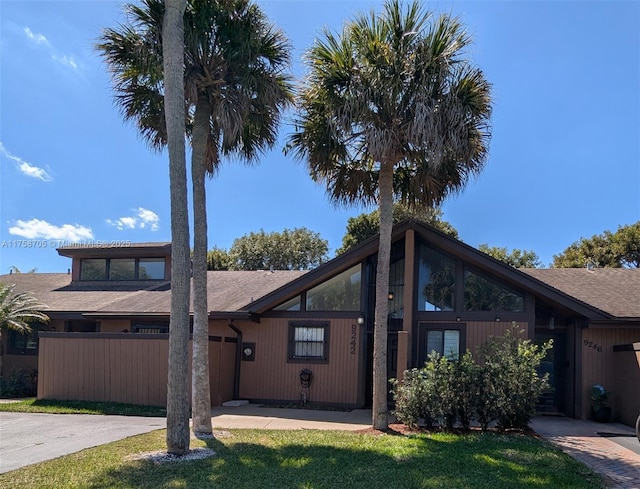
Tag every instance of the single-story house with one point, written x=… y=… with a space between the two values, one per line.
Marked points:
x=286 y=336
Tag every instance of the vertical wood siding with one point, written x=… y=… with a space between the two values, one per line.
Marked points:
x=127 y=368
x=272 y=377
x=599 y=367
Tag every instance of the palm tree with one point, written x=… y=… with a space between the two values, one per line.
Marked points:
x=391 y=110
x=172 y=37
x=235 y=91
x=18 y=311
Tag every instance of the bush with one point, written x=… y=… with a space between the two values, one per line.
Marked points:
x=511 y=381
x=23 y=383
x=505 y=387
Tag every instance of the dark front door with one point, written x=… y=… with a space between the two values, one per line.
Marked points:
x=392 y=364
x=555 y=365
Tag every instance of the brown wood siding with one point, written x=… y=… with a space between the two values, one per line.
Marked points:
x=626 y=387
x=272 y=377
x=599 y=367
x=129 y=368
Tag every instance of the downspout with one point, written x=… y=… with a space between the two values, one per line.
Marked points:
x=236 y=373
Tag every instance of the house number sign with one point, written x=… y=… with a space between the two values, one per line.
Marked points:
x=352 y=342
x=591 y=344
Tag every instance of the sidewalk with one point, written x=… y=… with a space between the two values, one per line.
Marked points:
x=619 y=466
x=256 y=416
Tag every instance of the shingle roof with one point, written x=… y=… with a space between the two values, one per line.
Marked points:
x=227 y=291
x=613 y=290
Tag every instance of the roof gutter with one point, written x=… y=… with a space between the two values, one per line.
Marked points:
x=236 y=373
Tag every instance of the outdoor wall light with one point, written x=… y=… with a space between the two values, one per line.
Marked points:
x=497 y=319
x=458 y=318
x=552 y=323
x=360 y=320
x=391 y=296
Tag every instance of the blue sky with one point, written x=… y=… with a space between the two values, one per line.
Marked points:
x=564 y=159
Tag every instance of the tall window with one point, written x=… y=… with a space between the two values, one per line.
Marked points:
x=436 y=281
x=484 y=294
x=340 y=293
x=308 y=341
x=122 y=269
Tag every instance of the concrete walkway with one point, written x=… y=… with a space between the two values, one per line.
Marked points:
x=257 y=416
x=610 y=449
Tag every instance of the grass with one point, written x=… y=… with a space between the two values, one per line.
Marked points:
x=33 y=405
x=310 y=459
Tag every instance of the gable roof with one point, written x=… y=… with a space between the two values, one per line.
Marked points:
x=476 y=259
x=613 y=290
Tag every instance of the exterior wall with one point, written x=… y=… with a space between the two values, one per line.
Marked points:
x=272 y=378
x=122 y=367
x=626 y=387
x=599 y=367
x=114 y=325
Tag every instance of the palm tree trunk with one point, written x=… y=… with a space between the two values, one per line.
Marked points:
x=200 y=387
x=178 y=435
x=380 y=381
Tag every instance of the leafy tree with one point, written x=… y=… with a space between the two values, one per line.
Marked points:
x=172 y=37
x=516 y=258
x=292 y=249
x=218 y=259
x=606 y=250
x=18 y=312
x=391 y=110
x=235 y=89
x=365 y=225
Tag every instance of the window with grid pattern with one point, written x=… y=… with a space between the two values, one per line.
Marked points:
x=308 y=341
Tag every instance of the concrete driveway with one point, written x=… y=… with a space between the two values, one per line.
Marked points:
x=29 y=438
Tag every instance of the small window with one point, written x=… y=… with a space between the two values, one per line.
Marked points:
x=290 y=305
x=23 y=344
x=308 y=341
x=446 y=342
x=93 y=269
x=151 y=269
x=150 y=328
x=122 y=269
x=484 y=294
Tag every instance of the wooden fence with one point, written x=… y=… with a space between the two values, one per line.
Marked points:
x=122 y=367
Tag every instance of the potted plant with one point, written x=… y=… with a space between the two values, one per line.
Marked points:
x=600 y=412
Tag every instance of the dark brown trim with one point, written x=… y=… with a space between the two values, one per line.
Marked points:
x=293 y=324
x=627 y=347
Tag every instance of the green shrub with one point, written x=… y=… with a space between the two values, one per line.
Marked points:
x=21 y=383
x=504 y=388
x=511 y=382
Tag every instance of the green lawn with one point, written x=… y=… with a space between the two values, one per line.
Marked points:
x=310 y=459
x=32 y=405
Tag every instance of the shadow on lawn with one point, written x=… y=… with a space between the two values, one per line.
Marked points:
x=366 y=462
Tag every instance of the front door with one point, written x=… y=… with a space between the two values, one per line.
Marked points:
x=555 y=365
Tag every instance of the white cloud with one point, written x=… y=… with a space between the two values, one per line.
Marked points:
x=144 y=218
x=40 y=39
x=37 y=38
x=149 y=218
x=25 y=167
x=39 y=229
x=66 y=60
